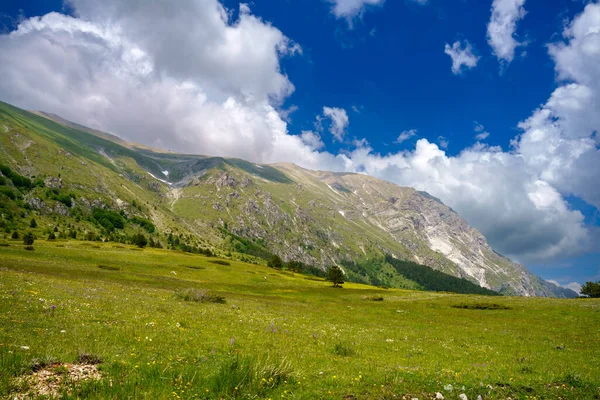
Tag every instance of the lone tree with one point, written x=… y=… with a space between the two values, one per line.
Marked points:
x=275 y=262
x=591 y=289
x=28 y=239
x=335 y=275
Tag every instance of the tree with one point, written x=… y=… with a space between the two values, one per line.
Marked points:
x=28 y=239
x=591 y=289
x=33 y=224
x=275 y=262
x=139 y=240
x=335 y=275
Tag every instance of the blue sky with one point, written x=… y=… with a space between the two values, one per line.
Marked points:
x=379 y=67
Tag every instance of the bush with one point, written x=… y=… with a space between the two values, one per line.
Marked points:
x=52 y=236
x=139 y=240
x=200 y=296
x=15 y=235
x=275 y=262
x=28 y=239
x=8 y=192
x=33 y=223
x=144 y=223
x=108 y=219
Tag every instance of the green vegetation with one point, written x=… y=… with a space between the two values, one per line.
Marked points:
x=591 y=289
x=335 y=275
x=481 y=306
x=275 y=262
x=431 y=279
x=279 y=335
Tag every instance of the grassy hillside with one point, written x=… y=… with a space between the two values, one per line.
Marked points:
x=278 y=334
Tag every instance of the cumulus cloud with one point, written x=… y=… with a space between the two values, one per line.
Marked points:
x=349 y=9
x=462 y=56
x=339 y=121
x=405 y=135
x=482 y=134
x=312 y=140
x=502 y=26
x=192 y=79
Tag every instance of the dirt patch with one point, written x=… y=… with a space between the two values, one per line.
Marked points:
x=51 y=380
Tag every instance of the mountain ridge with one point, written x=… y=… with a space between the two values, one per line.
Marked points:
x=316 y=217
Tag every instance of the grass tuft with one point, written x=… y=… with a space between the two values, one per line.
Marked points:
x=375 y=297
x=481 y=306
x=252 y=376
x=200 y=296
x=343 y=349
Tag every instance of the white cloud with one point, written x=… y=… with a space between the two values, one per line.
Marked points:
x=462 y=56
x=191 y=79
x=405 y=135
x=502 y=26
x=312 y=140
x=350 y=9
x=482 y=134
x=339 y=121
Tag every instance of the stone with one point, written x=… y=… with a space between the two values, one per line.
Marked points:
x=463 y=396
x=439 y=396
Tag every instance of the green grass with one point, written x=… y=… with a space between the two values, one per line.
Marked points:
x=278 y=335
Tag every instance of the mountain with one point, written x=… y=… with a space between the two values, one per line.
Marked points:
x=250 y=211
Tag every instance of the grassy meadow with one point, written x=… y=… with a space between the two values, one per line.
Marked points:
x=153 y=320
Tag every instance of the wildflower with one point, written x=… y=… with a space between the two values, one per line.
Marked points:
x=25 y=347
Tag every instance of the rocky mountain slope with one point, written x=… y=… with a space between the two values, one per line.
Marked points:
x=249 y=210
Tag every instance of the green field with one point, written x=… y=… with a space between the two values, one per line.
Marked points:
x=278 y=335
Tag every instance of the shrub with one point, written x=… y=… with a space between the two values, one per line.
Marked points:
x=144 y=223
x=28 y=239
x=108 y=219
x=51 y=236
x=139 y=240
x=8 y=192
x=200 y=296
x=275 y=262
x=33 y=223
x=15 y=235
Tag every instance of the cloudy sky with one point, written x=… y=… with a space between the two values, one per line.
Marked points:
x=490 y=105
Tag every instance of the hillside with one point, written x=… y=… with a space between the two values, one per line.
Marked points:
x=247 y=211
